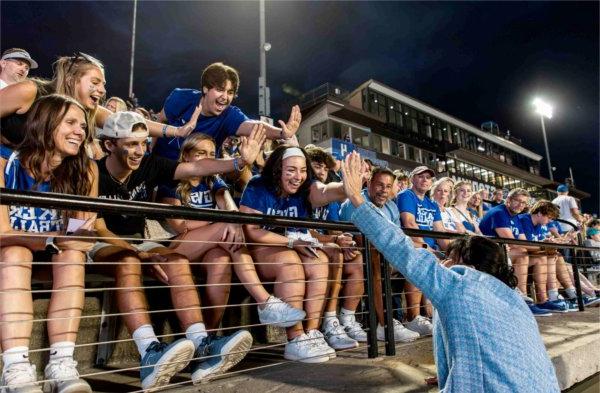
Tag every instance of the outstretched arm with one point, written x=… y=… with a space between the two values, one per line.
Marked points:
x=286 y=131
x=418 y=266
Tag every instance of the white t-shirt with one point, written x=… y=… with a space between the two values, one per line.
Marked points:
x=3 y=84
x=566 y=203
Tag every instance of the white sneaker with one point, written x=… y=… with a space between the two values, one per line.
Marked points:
x=336 y=336
x=320 y=343
x=420 y=325
x=64 y=377
x=527 y=299
x=401 y=334
x=353 y=329
x=20 y=378
x=278 y=313
x=303 y=349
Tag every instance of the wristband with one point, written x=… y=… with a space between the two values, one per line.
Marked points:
x=235 y=164
x=281 y=134
x=290 y=243
x=164 y=130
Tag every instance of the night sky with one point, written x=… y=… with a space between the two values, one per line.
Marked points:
x=475 y=61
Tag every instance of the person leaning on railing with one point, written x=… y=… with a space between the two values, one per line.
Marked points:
x=472 y=295
x=219 y=243
x=51 y=158
x=128 y=173
x=286 y=187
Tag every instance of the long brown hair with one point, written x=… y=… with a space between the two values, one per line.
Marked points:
x=72 y=176
x=184 y=187
x=271 y=172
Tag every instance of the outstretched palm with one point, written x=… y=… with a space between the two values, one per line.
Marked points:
x=291 y=127
x=251 y=145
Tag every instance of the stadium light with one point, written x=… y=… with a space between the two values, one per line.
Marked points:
x=544 y=109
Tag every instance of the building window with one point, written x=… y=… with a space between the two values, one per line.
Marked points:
x=319 y=132
x=360 y=137
x=376 y=142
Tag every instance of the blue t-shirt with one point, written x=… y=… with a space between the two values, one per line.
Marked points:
x=390 y=210
x=178 y=108
x=258 y=196
x=426 y=211
x=26 y=218
x=555 y=224
x=499 y=217
x=534 y=233
x=330 y=212
x=201 y=196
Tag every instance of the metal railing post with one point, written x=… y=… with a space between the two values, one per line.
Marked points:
x=575 y=266
x=388 y=309
x=373 y=350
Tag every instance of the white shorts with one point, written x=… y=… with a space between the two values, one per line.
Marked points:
x=144 y=247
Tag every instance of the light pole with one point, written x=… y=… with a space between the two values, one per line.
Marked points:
x=264 y=99
x=544 y=110
x=132 y=57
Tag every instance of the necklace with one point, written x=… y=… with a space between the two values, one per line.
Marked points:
x=121 y=183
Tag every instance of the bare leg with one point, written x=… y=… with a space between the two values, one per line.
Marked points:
x=540 y=275
x=66 y=304
x=128 y=275
x=551 y=282
x=520 y=263
x=17 y=305
x=282 y=266
x=354 y=287
x=217 y=271
x=316 y=271
x=377 y=287
x=413 y=301
x=335 y=261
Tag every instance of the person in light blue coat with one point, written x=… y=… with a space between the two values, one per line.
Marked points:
x=473 y=297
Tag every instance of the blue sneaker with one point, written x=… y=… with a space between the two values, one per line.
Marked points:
x=539 y=312
x=163 y=360
x=573 y=305
x=589 y=301
x=554 y=306
x=220 y=354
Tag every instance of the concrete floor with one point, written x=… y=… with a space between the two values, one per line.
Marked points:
x=572 y=340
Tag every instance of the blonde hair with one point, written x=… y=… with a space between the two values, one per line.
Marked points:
x=184 y=187
x=68 y=70
x=438 y=183
x=457 y=186
x=121 y=105
x=480 y=207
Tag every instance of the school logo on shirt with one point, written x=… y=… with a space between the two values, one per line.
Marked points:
x=514 y=228
x=34 y=219
x=424 y=216
x=291 y=211
x=201 y=199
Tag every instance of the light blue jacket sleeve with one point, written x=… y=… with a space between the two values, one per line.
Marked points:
x=419 y=266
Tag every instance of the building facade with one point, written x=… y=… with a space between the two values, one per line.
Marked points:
x=394 y=129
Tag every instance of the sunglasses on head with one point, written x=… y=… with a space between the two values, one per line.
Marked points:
x=80 y=56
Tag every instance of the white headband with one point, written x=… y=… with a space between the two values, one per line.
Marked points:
x=292 y=152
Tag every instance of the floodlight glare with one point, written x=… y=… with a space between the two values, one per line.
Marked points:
x=542 y=108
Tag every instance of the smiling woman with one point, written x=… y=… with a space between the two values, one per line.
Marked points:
x=80 y=77
x=50 y=159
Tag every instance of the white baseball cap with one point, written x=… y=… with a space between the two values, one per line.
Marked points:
x=121 y=124
x=21 y=54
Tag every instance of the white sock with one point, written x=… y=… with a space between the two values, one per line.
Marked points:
x=15 y=355
x=328 y=317
x=196 y=333
x=61 y=350
x=571 y=293
x=553 y=294
x=143 y=337
x=346 y=316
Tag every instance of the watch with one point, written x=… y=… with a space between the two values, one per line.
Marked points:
x=51 y=247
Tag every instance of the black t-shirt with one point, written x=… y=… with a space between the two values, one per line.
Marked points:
x=139 y=187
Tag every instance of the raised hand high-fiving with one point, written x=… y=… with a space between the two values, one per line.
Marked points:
x=290 y=128
x=250 y=146
x=186 y=129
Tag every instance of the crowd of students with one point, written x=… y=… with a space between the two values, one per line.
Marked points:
x=200 y=151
